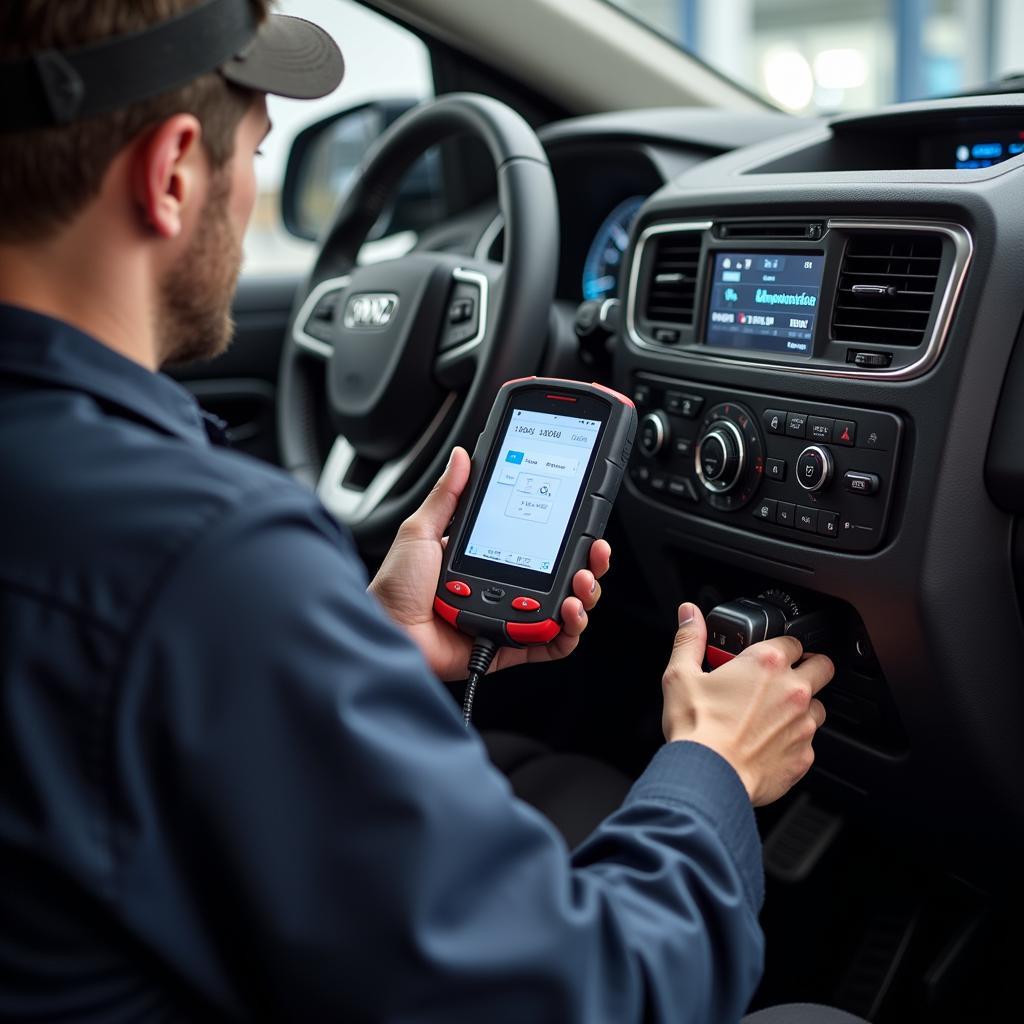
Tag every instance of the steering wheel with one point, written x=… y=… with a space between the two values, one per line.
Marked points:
x=398 y=361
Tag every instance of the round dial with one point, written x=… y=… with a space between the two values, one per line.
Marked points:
x=721 y=453
x=653 y=433
x=729 y=456
x=814 y=468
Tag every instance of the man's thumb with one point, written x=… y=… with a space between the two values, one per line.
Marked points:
x=691 y=637
x=434 y=515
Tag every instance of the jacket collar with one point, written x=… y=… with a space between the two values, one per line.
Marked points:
x=40 y=348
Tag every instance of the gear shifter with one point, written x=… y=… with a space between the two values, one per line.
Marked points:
x=735 y=625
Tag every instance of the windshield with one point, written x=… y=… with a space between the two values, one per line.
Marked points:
x=823 y=56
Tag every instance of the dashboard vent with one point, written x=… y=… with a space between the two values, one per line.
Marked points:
x=673 y=281
x=887 y=286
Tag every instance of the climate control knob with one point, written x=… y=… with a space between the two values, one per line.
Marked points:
x=814 y=468
x=721 y=454
x=652 y=433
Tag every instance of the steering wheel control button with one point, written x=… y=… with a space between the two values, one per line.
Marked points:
x=682 y=487
x=493 y=595
x=807 y=519
x=775 y=420
x=845 y=433
x=458 y=588
x=796 y=424
x=460 y=311
x=687 y=406
x=775 y=469
x=463 y=315
x=828 y=523
x=814 y=468
x=765 y=509
x=525 y=604
x=861 y=483
x=653 y=433
x=785 y=513
x=819 y=428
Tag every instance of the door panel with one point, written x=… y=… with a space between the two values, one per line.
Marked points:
x=241 y=385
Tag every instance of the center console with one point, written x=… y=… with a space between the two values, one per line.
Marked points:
x=802 y=471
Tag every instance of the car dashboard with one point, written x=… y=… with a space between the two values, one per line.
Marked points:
x=817 y=323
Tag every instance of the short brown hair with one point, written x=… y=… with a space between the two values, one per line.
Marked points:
x=47 y=176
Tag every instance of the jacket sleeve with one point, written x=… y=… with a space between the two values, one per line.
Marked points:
x=306 y=830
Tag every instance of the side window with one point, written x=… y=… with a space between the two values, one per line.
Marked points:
x=383 y=61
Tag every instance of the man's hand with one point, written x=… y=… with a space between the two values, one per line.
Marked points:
x=757 y=711
x=407 y=582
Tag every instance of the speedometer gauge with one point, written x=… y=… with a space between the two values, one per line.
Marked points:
x=601 y=270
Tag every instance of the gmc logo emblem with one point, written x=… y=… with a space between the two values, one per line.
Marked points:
x=370 y=310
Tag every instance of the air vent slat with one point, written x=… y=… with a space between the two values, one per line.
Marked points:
x=672 y=284
x=904 y=270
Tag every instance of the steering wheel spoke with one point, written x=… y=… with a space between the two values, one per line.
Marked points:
x=313 y=329
x=351 y=503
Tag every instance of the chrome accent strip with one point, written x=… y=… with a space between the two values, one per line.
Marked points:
x=314 y=345
x=963 y=251
x=351 y=506
x=489 y=237
x=480 y=280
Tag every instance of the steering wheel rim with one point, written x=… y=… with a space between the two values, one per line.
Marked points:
x=456 y=385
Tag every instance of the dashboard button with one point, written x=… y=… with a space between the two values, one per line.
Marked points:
x=785 y=513
x=807 y=519
x=525 y=604
x=666 y=335
x=845 y=433
x=878 y=436
x=641 y=395
x=458 y=588
x=765 y=509
x=682 y=487
x=819 y=428
x=861 y=483
x=687 y=406
x=828 y=523
x=682 y=446
x=774 y=421
x=775 y=469
x=796 y=424
x=658 y=481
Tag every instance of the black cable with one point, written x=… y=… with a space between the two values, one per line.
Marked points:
x=480 y=659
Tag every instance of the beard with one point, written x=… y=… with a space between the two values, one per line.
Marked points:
x=194 y=316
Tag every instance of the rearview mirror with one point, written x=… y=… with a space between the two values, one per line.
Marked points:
x=324 y=157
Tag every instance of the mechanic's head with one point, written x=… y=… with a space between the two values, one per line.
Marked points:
x=163 y=172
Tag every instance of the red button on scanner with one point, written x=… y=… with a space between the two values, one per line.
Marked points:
x=525 y=604
x=458 y=588
x=446 y=611
x=533 y=632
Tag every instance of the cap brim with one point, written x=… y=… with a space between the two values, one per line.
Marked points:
x=288 y=57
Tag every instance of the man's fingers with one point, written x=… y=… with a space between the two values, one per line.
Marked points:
x=433 y=516
x=691 y=638
x=600 y=557
x=816 y=670
x=817 y=711
x=779 y=652
x=574 y=617
x=586 y=588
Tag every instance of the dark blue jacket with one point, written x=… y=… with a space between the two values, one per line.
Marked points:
x=231 y=788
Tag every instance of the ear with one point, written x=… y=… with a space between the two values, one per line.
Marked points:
x=166 y=173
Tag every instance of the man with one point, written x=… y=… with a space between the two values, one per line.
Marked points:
x=230 y=783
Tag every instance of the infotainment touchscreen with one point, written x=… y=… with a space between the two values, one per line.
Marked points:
x=765 y=301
